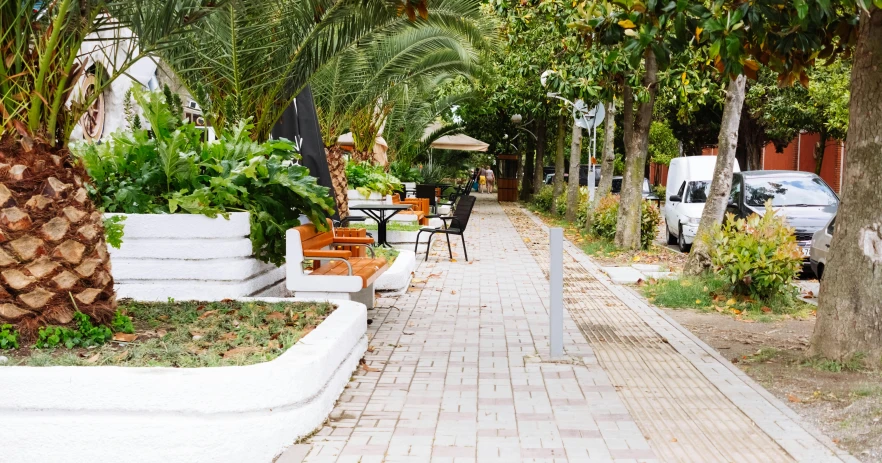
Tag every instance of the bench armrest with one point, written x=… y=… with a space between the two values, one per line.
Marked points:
x=346 y=243
x=319 y=253
x=329 y=259
x=353 y=240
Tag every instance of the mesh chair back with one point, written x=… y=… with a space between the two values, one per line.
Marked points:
x=462 y=213
x=426 y=191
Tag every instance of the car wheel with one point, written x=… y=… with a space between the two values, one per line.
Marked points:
x=681 y=241
x=671 y=238
x=820 y=272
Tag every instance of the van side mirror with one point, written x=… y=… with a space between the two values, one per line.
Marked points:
x=675 y=199
x=731 y=203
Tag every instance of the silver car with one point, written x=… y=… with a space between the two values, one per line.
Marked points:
x=820 y=247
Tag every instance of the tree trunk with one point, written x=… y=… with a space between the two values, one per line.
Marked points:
x=559 y=160
x=753 y=140
x=721 y=184
x=573 y=182
x=539 y=173
x=636 y=145
x=527 y=179
x=53 y=255
x=607 y=164
x=820 y=148
x=850 y=306
x=337 y=169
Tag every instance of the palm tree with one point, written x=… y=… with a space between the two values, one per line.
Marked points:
x=53 y=258
x=359 y=90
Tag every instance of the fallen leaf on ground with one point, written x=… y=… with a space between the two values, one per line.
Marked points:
x=93 y=358
x=730 y=302
x=418 y=280
x=685 y=283
x=371 y=349
x=228 y=336
x=698 y=301
x=452 y=260
x=122 y=356
x=275 y=316
x=365 y=367
x=453 y=292
x=124 y=337
x=207 y=314
x=245 y=350
x=766 y=309
x=809 y=294
x=793 y=398
x=673 y=439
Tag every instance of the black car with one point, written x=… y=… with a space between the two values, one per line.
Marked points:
x=805 y=201
x=646 y=191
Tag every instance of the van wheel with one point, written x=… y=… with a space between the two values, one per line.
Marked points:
x=671 y=238
x=681 y=241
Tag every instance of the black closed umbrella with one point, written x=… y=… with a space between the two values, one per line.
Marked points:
x=299 y=123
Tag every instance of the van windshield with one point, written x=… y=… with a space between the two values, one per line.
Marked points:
x=697 y=192
x=788 y=192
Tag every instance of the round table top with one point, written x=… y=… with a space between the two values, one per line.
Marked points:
x=381 y=207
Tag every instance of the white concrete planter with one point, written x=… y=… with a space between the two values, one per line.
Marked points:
x=397 y=277
x=357 y=199
x=222 y=414
x=190 y=256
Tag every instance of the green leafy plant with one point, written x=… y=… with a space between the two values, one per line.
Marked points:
x=544 y=198
x=405 y=171
x=168 y=169
x=114 y=228
x=757 y=255
x=8 y=337
x=433 y=174
x=85 y=335
x=367 y=178
x=606 y=215
x=122 y=323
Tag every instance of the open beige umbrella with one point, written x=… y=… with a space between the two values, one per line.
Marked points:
x=461 y=142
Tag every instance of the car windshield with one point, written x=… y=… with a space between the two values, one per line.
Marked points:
x=792 y=192
x=697 y=192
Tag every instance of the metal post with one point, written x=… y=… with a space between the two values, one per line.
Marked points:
x=556 y=283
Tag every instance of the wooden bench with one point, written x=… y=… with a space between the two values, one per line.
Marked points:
x=419 y=207
x=338 y=275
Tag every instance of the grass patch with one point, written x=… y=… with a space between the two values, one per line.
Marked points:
x=856 y=362
x=386 y=253
x=711 y=293
x=867 y=391
x=763 y=355
x=390 y=226
x=193 y=334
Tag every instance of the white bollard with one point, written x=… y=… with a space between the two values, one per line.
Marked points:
x=556 y=285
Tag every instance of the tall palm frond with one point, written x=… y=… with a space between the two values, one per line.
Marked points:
x=357 y=89
x=416 y=110
x=47 y=46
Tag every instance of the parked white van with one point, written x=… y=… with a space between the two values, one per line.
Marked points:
x=689 y=180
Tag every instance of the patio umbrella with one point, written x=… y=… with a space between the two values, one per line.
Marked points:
x=299 y=124
x=460 y=142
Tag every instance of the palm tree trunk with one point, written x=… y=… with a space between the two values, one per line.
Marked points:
x=53 y=256
x=337 y=169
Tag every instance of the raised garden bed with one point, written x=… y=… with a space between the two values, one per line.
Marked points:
x=231 y=413
x=192 y=334
x=190 y=257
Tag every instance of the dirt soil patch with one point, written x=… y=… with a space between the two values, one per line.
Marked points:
x=845 y=405
x=191 y=334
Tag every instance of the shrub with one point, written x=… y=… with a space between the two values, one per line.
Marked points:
x=8 y=337
x=606 y=216
x=122 y=323
x=86 y=334
x=544 y=198
x=367 y=178
x=169 y=169
x=661 y=191
x=758 y=255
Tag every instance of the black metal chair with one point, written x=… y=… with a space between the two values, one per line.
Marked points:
x=427 y=191
x=458 y=223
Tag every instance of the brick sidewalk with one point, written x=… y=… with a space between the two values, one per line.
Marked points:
x=458 y=372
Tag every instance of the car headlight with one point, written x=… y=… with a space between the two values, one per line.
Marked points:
x=693 y=220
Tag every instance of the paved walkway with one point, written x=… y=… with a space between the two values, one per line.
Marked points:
x=458 y=371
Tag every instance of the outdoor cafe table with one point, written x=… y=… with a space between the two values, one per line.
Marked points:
x=378 y=213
